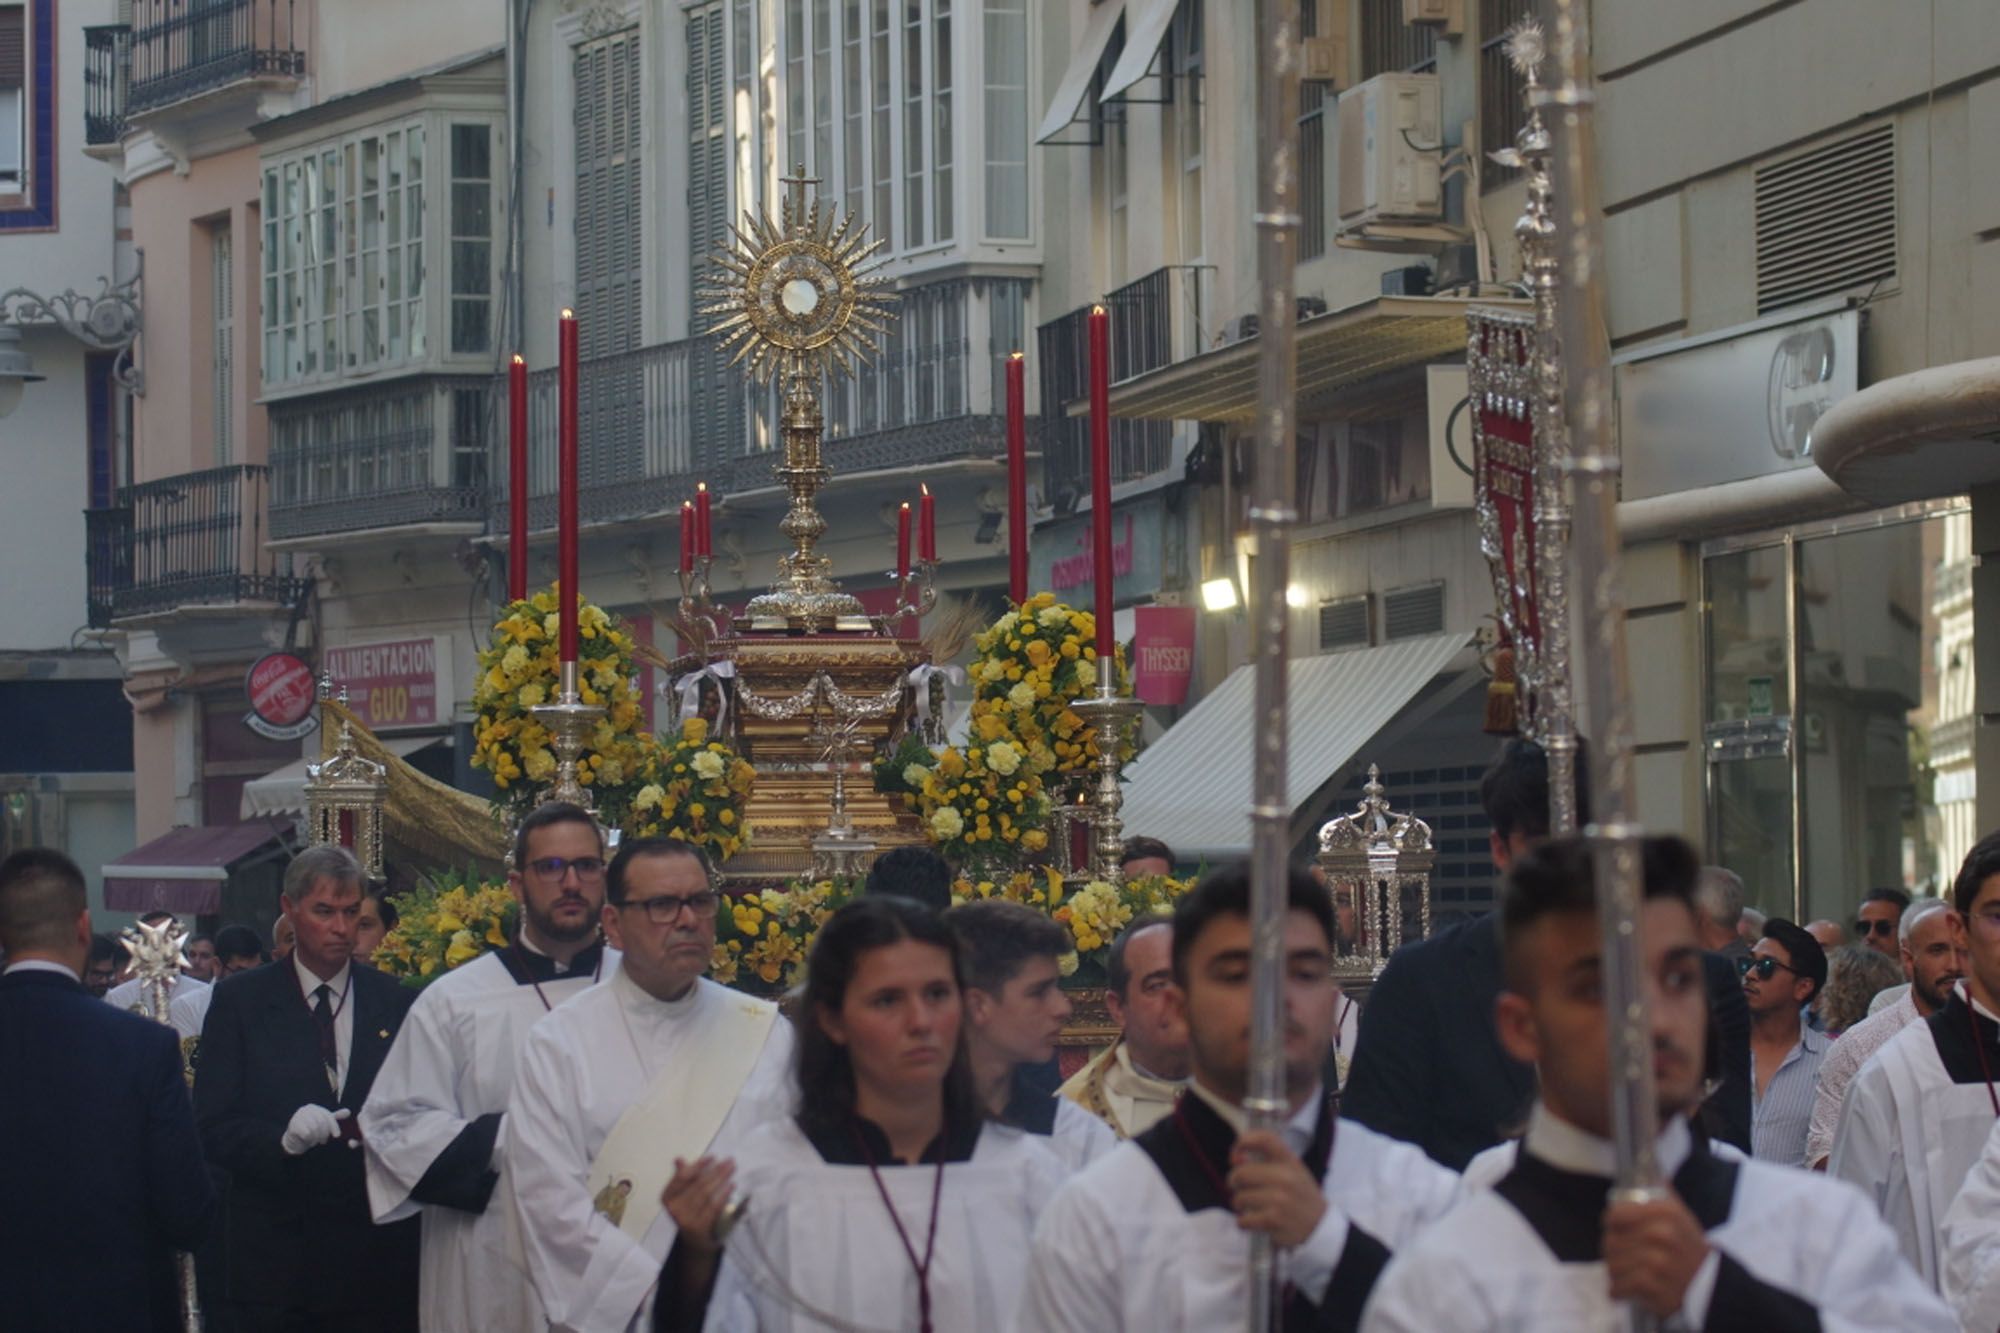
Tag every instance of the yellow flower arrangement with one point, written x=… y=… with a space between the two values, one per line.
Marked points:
x=979 y=804
x=520 y=668
x=694 y=790
x=1096 y=912
x=445 y=923
x=1032 y=664
x=762 y=938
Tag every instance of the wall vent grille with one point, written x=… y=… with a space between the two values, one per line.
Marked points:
x=1826 y=220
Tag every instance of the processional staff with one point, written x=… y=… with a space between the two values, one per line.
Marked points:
x=1271 y=519
x=1582 y=355
x=156 y=961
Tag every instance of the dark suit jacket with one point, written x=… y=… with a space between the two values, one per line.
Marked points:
x=299 y=1234
x=1428 y=1066
x=104 y=1177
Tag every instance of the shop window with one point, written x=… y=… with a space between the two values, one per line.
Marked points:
x=1838 y=722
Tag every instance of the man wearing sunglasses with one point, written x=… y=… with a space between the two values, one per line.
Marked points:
x=433 y=1118
x=648 y=1079
x=1783 y=973
x=1881 y=913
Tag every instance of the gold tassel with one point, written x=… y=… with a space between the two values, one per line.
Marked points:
x=1502 y=695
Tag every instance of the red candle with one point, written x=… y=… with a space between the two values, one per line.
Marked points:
x=566 y=527
x=687 y=536
x=1017 y=479
x=517 y=479
x=1100 y=472
x=926 y=525
x=704 y=536
x=903 y=542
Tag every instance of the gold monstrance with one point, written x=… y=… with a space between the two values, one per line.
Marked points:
x=795 y=299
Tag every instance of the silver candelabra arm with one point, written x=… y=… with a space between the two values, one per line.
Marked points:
x=916 y=594
x=569 y=722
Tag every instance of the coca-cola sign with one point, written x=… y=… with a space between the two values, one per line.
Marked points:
x=280 y=686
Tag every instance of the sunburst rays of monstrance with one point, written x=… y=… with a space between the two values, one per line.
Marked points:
x=799 y=298
x=796 y=299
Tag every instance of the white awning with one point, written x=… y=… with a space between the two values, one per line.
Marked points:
x=282 y=791
x=1075 y=85
x=1146 y=24
x=1192 y=787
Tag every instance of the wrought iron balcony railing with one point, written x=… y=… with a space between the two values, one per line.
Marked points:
x=412 y=451
x=107 y=80
x=191 y=540
x=1155 y=321
x=184 y=47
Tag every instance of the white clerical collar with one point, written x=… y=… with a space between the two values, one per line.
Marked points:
x=1567 y=1148
x=1977 y=1007
x=1303 y=1120
x=562 y=968
x=1123 y=1055
x=642 y=1001
x=310 y=981
x=42 y=965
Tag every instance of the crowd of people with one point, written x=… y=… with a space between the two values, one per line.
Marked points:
x=581 y=1131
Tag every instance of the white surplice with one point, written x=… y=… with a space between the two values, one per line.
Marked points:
x=453 y=1061
x=1491 y=1166
x=1117 y=1249
x=1079 y=1138
x=1485 y=1269
x=131 y=996
x=188 y=1009
x=1969 y=1243
x=580 y=1069
x=816 y=1240
x=1909 y=1136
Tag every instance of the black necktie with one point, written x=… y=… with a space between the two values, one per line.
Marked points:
x=329 y=1048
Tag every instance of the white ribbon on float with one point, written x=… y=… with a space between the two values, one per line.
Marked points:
x=919 y=680
x=689 y=689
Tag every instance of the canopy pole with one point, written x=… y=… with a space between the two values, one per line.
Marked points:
x=1271 y=519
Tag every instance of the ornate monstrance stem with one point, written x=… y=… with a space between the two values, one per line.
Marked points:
x=156 y=960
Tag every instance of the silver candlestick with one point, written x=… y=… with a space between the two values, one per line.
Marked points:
x=569 y=722
x=916 y=594
x=1109 y=714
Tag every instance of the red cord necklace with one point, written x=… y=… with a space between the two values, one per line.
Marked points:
x=922 y=1269
x=1979 y=1046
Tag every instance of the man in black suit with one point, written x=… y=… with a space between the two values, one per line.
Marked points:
x=1428 y=1066
x=288 y=1054
x=105 y=1178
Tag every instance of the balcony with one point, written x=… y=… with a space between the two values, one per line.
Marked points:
x=409 y=454
x=107 y=81
x=185 y=48
x=1154 y=322
x=658 y=419
x=192 y=540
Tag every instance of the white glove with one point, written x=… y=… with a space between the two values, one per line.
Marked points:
x=311 y=1126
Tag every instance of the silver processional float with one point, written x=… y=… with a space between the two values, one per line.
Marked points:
x=1564 y=375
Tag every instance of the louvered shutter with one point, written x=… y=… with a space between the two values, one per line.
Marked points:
x=1826 y=220
x=717 y=413
x=14 y=46
x=222 y=296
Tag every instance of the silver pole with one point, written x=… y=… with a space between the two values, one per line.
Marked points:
x=1596 y=573
x=156 y=959
x=1271 y=518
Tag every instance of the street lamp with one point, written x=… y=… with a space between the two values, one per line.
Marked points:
x=17 y=369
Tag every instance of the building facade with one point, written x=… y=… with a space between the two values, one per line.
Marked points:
x=68 y=302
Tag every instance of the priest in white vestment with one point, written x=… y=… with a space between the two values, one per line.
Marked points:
x=1969 y=1243
x=657 y=1063
x=1154 y=1235
x=1918 y=1114
x=1134 y=1084
x=1015 y=1009
x=433 y=1117
x=1733 y=1243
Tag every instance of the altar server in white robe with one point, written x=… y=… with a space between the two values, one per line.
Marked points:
x=1156 y=1234
x=890 y=1200
x=1918 y=1114
x=657 y=1063
x=1015 y=1009
x=1733 y=1244
x=1969 y=1243
x=433 y=1118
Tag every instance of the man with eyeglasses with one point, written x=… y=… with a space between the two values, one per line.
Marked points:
x=432 y=1122
x=1881 y=913
x=1780 y=977
x=647 y=1080
x=1918 y=1114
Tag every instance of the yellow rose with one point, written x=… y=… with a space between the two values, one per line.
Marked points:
x=947 y=823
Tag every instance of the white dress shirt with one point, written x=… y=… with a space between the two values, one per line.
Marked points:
x=340 y=987
x=41 y=965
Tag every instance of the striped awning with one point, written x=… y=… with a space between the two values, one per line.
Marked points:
x=1192 y=786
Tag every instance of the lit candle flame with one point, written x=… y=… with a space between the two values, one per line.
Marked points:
x=568 y=313
x=1017 y=356
x=519 y=360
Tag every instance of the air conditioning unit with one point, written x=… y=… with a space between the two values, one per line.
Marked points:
x=1447 y=12
x=1323 y=53
x=1390 y=151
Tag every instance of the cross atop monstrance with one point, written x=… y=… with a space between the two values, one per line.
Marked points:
x=798 y=295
